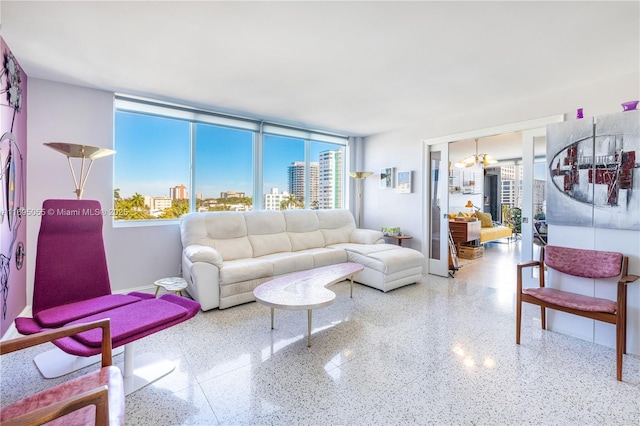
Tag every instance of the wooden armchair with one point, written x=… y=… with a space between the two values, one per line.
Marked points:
x=95 y=398
x=586 y=264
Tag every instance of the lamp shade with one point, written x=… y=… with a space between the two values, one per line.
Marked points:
x=360 y=175
x=84 y=152
x=79 y=151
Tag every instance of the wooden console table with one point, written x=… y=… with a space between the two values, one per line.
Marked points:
x=463 y=232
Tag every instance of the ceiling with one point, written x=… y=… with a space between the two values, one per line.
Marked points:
x=357 y=67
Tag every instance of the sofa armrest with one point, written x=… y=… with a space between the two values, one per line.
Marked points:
x=199 y=253
x=366 y=236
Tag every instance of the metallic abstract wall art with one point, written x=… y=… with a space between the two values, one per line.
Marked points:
x=595 y=172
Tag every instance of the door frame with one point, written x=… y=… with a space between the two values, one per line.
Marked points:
x=528 y=128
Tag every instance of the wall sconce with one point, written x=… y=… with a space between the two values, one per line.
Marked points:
x=359 y=177
x=72 y=150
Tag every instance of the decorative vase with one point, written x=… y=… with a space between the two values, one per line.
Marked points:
x=629 y=106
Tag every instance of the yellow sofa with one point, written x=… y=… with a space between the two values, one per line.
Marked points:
x=489 y=231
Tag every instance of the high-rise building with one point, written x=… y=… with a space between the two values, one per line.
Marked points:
x=179 y=192
x=511 y=185
x=296 y=173
x=273 y=199
x=330 y=180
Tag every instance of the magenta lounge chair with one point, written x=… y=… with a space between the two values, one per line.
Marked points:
x=72 y=286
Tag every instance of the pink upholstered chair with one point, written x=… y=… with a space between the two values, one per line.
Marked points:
x=70 y=403
x=586 y=264
x=72 y=286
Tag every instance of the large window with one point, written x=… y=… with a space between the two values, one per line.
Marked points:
x=223 y=168
x=172 y=159
x=152 y=161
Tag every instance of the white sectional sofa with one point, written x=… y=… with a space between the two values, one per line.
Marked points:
x=228 y=254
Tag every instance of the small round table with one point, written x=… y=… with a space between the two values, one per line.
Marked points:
x=175 y=284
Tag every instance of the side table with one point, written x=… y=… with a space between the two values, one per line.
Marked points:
x=175 y=284
x=399 y=238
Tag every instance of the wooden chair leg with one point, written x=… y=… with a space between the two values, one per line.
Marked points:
x=621 y=340
x=518 y=319
x=543 y=318
x=619 y=350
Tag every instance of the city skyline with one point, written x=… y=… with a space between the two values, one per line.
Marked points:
x=153 y=155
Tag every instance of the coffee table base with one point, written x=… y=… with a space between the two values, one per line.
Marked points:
x=305 y=290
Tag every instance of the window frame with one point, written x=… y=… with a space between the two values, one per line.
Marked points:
x=260 y=128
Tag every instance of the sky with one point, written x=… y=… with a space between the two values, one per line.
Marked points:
x=152 y=155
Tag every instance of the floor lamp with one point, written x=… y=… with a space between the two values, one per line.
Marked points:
x=359 y=177
x=72 y=150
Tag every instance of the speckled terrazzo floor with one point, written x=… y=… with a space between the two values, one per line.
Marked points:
x=439 y=352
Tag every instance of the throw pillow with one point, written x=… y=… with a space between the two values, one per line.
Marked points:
x=485 y=219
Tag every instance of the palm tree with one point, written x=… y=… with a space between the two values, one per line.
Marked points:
x=292 y=202
x=177 y=209
x=137 y=201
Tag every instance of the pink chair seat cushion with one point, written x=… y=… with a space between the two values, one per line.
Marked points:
x=583 y=263
x=64 y=314
x=110 y=376
x=132 y=319
x=572 y=300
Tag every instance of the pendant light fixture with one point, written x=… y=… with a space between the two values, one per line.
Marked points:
x=482 y=159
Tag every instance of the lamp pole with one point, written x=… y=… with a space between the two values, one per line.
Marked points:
x=359 y=177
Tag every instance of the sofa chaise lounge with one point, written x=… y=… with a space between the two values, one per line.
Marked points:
x=226 y=255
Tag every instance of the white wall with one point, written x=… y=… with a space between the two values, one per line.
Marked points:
x=403 y=149
x=136 y=256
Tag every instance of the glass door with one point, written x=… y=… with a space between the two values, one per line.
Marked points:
x=438 y=207
x=534 y=146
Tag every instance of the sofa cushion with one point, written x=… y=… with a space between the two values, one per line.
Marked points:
x=485 y=219
x=301 y=220
x=267 y=232
x=306 y=240
x=327 y=256
x=364 y=249
x=303 y=228
x=389 y=261
x=336 y=225
x=234 y=271
x=224 y=231
x=202 y=228
x=232 y=249
x=285 y=263
x=270 y=243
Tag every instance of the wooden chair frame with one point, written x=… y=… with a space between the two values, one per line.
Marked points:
x=619 y=318
x=98 y=396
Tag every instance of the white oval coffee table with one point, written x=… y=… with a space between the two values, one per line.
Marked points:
x=305 y=289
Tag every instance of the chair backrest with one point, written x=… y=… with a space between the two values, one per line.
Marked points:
x=71 y=264
x=583 y=263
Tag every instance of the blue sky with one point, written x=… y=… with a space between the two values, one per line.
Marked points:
x=153 y=156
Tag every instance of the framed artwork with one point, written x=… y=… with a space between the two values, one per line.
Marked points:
x=403 y=185
x=386 y=178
